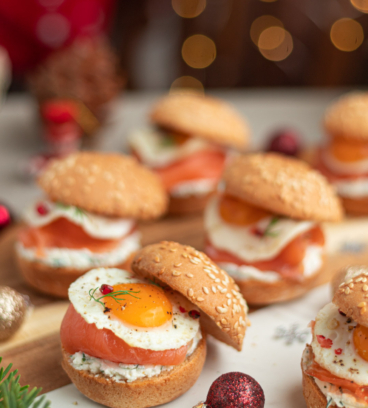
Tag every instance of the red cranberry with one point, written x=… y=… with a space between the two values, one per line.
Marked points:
x=182 y=309
x=285 y=142
x=42 y=209
x=338 y=351
x=194 y=314
x=106 y=289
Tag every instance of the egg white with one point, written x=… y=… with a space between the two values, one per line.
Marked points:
x=94 y=225
x=348 y=365
x=243 y=243
x=348 y=168
x=172 y=335
x=150 y=146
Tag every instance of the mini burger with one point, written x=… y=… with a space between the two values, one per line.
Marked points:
x=344 y=158
x=264 y=228
x=335 y=364
x=88 y=218
x=187 y=146
x=139 y=340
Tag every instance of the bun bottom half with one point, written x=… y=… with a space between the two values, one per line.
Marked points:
x=312 y=394
x=264 y=293
x=142 y=393
x=54 y=281
x=355 y=206
x=188 y=205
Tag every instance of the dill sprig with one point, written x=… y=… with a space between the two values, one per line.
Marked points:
x=268 y=232
x=12 y=395
x=116 y=295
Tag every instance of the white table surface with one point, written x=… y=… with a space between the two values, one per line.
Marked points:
x=266 y=111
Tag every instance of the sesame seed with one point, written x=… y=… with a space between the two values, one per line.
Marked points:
x=223 y=290
x=157 y=259
x=349 y=281
x=212 y=276
x=219 y=287
x=365 y=288
x=224 y=320
x=347 y=291
x=363 y=310
x=176 y=273
x=177 y=265
x=184 y=255
x=189 y=275
x=221 y=310
x=341 y=284
x=236 y=325
x=200 y=299
x=205 y=290
x=226 y=329
x=173 y=249
x=364 y=279
x=351 y=285
x=361 y=304
x=229 y=302
x=359 y=280
x=193 y=261
x=161 y=271
x=228 y=295
x=224 y=283
x=214 y=290
x=190 y=292
x=217 y=280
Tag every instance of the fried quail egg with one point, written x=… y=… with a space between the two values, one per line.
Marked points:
x=334 y=345
x=143 y=314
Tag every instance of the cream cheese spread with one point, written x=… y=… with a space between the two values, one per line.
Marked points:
x=193 y=188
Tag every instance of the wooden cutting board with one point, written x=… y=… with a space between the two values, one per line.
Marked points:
x=35 y=349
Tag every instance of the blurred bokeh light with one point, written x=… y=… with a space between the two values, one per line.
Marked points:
x=361 y=5
x=187 y=82
x=188 y=8
x=262 y=23
x=198 y=51
x=275 y=43
x=346 y=34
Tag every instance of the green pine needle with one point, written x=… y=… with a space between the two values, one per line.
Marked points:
x=12 y=395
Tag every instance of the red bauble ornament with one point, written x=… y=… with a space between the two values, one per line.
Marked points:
x=5 y=217
x=235 y=390
x=285 y=142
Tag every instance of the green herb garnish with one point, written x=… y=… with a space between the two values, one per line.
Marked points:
x=329 y=402
x=83 y=357
x=78 y=211
x=12 y=395
x=268 y=232
x=116 y=295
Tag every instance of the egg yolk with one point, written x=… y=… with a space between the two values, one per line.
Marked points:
x=144 y=305
x=235 y=211
x=360 y=338
x=348 y=150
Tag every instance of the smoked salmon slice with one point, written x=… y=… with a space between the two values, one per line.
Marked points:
x=78 y=335
x=62 y=233
x=288 y=263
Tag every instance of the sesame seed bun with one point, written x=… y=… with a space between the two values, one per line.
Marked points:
x=53 y=281
x=194 y=275
x=352 y=295
x=201 y=116
x=282 y=185
x=140 y=393
x=189 y=205
x=313 y=396
x=347 y=117
x=105 y=183
x=260 y=293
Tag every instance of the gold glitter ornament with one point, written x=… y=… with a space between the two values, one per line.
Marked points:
x=13 y=309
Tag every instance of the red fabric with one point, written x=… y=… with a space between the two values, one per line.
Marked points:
x=31 y=29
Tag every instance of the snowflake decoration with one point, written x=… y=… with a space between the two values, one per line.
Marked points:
x=291 y=334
